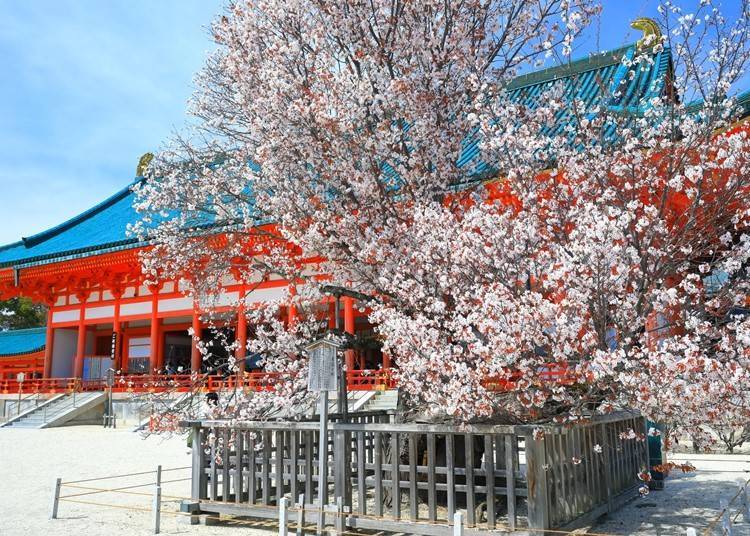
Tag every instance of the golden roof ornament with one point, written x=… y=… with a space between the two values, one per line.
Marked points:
x=651 y=32
x=143 y=164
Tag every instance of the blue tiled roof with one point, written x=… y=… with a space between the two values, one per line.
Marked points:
x=22 y=341
x=593 y=80
x=600 y=80
x=100 y=228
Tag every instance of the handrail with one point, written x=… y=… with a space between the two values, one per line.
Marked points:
x=357 y=380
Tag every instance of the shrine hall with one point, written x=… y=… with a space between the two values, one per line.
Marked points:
x=101 y=314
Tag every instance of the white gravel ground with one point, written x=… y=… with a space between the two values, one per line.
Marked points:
x=688 y=500
x=30 y=460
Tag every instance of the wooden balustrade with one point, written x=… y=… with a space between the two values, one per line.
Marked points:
x=357 y=380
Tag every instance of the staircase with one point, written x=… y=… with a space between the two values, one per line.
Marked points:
x=383 y=400
x=57 y=410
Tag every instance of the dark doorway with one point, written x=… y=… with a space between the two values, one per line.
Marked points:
x=177 y=350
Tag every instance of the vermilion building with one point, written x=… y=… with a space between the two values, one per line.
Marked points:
x=102 y=315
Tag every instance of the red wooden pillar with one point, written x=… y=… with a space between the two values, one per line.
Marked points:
x=81 y=343
x=154 y=358
x=349 y=328
x=49 y=341
x=292 y=309
x=195 y=354
x=386 y=361
x=117 y=330
x=241 y=338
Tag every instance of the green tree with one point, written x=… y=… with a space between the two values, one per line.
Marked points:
x=20 y=313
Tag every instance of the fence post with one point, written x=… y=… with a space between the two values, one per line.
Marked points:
x=538 y=506
x=157 y=509
x=340 y=472
x=283 y=516
x=339 y=515
x=458 y=524
x=726 y=520
x=197 y=489
x=55 y=499
x=301 y=515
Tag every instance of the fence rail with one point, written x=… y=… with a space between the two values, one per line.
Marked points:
x=390 y=474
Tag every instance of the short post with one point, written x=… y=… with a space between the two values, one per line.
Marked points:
x=726 y=520
x=323 y=460
x=458 y=524
x=283 y=516
x=157 y=501
x=301 y=515
x=339 y=515
x=20 y=377
x=55 y=499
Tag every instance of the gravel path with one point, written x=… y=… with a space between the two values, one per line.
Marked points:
x=30 y=460
x=688 y=500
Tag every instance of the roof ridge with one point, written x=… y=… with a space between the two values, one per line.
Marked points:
x=11 y=245
x=83 y=216
x=22 y=330
x=583 y=64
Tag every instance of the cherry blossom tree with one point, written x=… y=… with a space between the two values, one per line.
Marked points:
x=588 y=268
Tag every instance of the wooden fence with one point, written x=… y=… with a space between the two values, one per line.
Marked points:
x=414 y=477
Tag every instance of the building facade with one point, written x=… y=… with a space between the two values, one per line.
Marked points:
x=102 y=315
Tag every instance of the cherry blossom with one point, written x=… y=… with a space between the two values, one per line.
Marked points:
x=599 y=267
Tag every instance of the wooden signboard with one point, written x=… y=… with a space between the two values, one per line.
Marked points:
x=323 y=375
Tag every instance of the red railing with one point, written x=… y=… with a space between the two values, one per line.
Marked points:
x=552 y=373
x=369 y=380
x=46 y=385
x=357 y=380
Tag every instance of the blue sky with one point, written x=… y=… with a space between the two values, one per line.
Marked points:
x=88 y=86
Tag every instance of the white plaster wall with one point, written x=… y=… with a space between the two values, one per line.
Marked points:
x=138 y=308
x=107 y=311
x=227 y=298
x=175 y=304
x=66 y=316
x=265 y=294
x=167 y=288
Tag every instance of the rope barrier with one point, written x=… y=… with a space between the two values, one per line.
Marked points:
x=176 y=469
x=109 y=477
x=108 y=489
x=125 y=475
x=122 y=490
x=707 y=530
x=176 y=480
x=332 y=514
x=121 y=507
